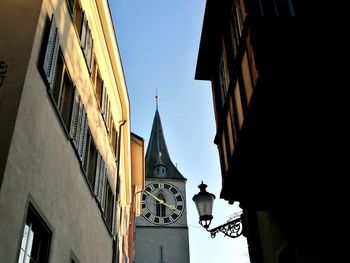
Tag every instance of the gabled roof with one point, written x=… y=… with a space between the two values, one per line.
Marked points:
x=157 y=152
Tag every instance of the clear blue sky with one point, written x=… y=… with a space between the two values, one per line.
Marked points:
x=158 y=41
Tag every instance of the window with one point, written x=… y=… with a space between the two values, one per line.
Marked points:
x=236 y=26
x=58 y=80
x=78 y=126
x=160 y=208
x=63 y=91
x=87 y=43
x=71 y=6
x=90 y=160
x=78 y=14
x=99 y=88
x=100 y=181
x=223 y=79
x=35 y=245
x=51 y=54
x=109 y=205
x=83 y=30
x=94 y=71
x=113 y=137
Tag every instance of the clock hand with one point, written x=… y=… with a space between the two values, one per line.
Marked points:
x=159 y=200
x=172 y=207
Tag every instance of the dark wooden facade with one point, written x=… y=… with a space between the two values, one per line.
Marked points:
x=276 y=83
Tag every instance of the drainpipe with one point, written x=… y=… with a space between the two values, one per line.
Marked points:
x=117 y=182
x=121 y=123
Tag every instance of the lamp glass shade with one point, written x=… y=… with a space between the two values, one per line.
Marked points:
x=204 y=203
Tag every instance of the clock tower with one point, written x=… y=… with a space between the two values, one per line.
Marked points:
x=161 y=230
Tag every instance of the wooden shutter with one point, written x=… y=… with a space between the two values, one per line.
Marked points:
x=88 y=48
x=114 y=216
x=103 y=188
x=99 y=171
x=83 y=136
x=75 y=118
x=51 y=53
x=79 y=123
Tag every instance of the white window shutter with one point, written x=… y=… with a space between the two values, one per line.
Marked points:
x=51 y=53
x=75 y=118
x=79 y=123
x=99 y=170
x=83 y=136
x=114 y=222
x=103 y=188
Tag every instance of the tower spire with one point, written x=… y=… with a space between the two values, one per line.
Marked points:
x=157 y=155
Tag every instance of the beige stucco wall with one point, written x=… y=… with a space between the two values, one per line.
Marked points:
x=42 y=166
x=18 y=18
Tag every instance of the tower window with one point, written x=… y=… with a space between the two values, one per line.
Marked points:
x=160 y=208
x=160 y=170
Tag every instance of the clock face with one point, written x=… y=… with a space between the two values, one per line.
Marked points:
x=162 y=203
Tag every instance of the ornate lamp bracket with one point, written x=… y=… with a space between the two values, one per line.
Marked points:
x=231 y=229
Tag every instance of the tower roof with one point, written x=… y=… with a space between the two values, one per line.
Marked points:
x=157 y=154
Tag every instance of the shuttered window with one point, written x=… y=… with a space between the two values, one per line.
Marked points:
x=83 y=136
x=109 y=205
x=75 y=119
x=90 y=160
x=104 y=102
x=103 y=182
x=100 y=180
x=79 y=126
x=71 y=6
x=87 y=43
x=57 y=77
x=114 y=222
x=51 y=53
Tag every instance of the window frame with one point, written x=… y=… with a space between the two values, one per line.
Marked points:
x=33 y=216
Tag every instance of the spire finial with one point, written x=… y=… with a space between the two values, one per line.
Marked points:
x=157 y=98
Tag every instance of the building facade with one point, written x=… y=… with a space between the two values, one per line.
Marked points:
x=67 y=180
x=273 y=95
x=162 y=231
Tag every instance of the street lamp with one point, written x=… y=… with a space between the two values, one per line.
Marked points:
x=204 y=203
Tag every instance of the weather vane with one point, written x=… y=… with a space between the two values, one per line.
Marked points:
x=157 y=98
